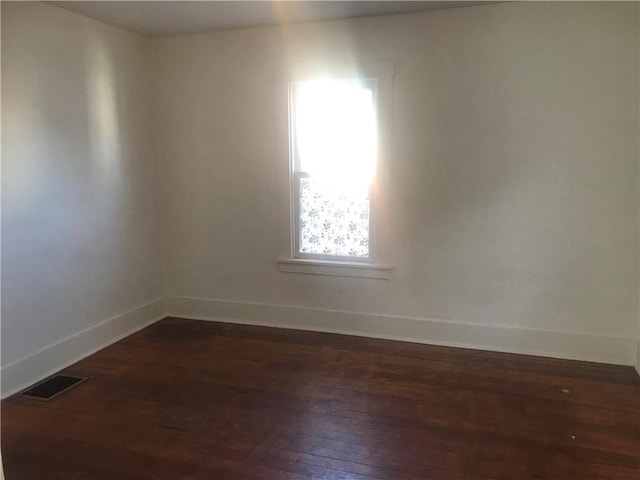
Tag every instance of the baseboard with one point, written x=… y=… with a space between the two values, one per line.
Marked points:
x=576 y=346
x=32 y=368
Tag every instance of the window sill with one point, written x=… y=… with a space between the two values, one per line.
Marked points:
x=335 y=268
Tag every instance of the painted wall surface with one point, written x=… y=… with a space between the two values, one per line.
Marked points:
x=79 y=206
x=512 y=176
x=513 y=168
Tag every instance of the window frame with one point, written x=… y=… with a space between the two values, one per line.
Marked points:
x=376 y=265
x=296 y=174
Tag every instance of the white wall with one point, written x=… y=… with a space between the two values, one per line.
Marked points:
x=514 y=174
x=513 y=180
x=80 y=258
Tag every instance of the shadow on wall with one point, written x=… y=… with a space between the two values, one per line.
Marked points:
x=102 y=103
x=68 y=206
x=503 y=202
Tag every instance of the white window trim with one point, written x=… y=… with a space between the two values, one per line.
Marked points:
x=335 y=268
x=377 y=265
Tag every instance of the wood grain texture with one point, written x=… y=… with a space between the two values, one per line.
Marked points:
x=185 y=399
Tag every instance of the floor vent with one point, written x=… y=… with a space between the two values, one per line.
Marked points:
x=53 y=386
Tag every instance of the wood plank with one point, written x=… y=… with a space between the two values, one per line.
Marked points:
x=192 y=399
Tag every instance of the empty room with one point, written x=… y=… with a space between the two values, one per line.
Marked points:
x=321 y=240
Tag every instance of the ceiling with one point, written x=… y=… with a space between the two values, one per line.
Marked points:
x=160 y=18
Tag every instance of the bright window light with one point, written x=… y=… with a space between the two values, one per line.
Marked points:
x=335 y=127
x=335 y=149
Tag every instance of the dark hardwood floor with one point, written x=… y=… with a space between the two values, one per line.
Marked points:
x=187 y=399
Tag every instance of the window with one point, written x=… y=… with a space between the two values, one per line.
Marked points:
x=333 y=191
x=334 y=151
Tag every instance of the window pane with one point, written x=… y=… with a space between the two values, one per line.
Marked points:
x=333 y=221
x=335 y=127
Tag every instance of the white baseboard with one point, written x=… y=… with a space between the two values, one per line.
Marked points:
x=36 y=366
x=577 y=346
